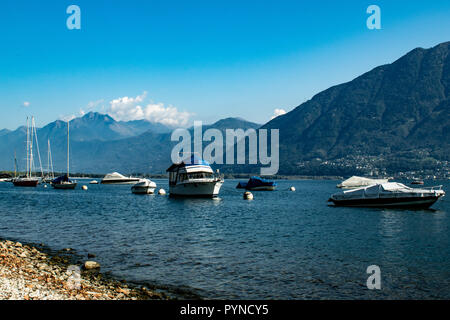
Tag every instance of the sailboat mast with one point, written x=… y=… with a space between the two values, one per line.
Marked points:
x=48 y=157
x=31 y=147
x=15 y=164
x=34 y=136
x=28 y=149
x=67 y=149
x=51 y=160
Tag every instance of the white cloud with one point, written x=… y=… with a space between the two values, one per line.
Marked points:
x=26 y=104
x=277 y=113
x=91 y=106
x=135 y=108
x=126 y=109
x=67 y=118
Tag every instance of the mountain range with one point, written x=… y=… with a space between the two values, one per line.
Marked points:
x=392 y=118
x=395 y=111
x=100 y=144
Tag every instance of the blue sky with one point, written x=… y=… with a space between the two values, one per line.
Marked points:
x=196 y=60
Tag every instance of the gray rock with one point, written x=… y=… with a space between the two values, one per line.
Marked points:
x=89 y=265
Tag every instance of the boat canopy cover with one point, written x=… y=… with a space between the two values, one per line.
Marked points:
x=114 y=175
x=145 y=183
x=384 y=189
x=395 y=186
x=257 y=181
x=63 y=178
x=191 y=161
x=356 y=181
x=241 y=185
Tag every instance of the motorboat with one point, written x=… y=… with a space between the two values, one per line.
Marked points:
x=144 y=186
x=390 y=194
x=257 y=184
x=117 y=178
x=357 y=182
x=63 y=182
x=93 y=182
x=194 y=177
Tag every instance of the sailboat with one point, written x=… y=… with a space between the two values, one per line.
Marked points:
x=50 y=175
x=63 y=182
x=28 y=180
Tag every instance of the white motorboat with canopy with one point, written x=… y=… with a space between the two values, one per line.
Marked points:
x=145 y=186
x=194 y=177
x=117 y=178
x=391 y=194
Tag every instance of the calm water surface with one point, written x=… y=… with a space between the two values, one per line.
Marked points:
x=282 y=245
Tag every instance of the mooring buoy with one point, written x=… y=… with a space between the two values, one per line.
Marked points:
x=248 y=196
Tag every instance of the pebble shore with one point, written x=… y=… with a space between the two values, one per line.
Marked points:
x=27 y=273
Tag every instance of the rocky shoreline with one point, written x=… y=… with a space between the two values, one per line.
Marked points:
x=27 y=272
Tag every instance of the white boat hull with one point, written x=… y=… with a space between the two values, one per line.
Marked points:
x=196 y=189
x=119 y=182
x=64 y=186
x=145 y=186
x=143 y=190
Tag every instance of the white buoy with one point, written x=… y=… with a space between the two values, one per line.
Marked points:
x=292 y=189
x=162 y=192
x=45 y=186
x=248 y=196
x=84 y=187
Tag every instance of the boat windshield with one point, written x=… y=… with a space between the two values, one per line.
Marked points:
x=200 y=175
x=194 y=176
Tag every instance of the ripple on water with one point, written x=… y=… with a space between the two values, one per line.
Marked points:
x=282 y=245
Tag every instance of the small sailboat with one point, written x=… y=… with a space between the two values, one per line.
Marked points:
x=50 y=173
x=64 y=182
x=28 y=180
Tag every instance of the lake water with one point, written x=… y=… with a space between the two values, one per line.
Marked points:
x=282 y=245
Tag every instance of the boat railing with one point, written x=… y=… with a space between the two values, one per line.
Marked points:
x=434 y=188
x=219 y=176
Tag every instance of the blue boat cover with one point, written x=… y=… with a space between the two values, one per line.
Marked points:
x=63 y=178
x=254 y=182
x=194 y=160
x=241 y=185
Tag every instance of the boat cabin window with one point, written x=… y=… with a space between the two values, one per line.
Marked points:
x=199 y=175
x=182 y=177
x=172 y=177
